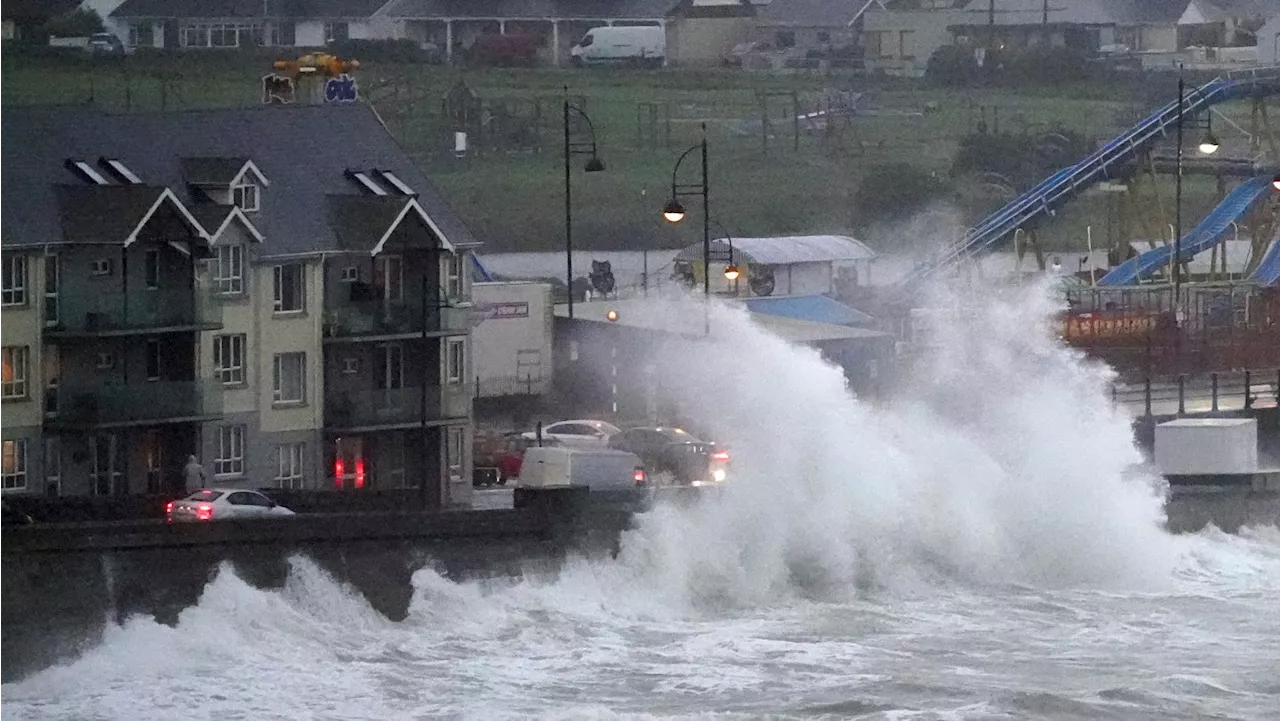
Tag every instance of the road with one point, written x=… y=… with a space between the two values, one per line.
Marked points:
x=491 y=498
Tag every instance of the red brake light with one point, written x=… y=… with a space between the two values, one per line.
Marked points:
x=337 y=473
x=168 y=507
x=204 y=511
x=359 y=473
x=641 y=477
x=720 y=456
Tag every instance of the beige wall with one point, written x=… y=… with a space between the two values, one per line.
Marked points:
x=22 y=326
x=927 y=32
x=289 y=333
x=238 y=316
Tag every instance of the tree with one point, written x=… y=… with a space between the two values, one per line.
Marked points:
x=894 y=191
x=78 y=23
x=952 y=65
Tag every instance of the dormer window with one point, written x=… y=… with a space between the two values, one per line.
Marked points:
x=245 y=197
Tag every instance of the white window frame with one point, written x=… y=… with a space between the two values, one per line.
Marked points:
x=454 y=449
x=451 y=272
x=330 y=35
x=240 y=195
x=15 y=280
x=278 y=368
x=148 y=258
x=106 y=360
x=14 y=478
x=277 y=288
x=290 y=473
x=18 y=359
x=350 y=365
x=350 y=274
x=228 y=269
x=229 y=370
x=201 y=30
x=103 y=266
x=276 y=36
x=454 y=374
x=52 y=287
x=230 y=459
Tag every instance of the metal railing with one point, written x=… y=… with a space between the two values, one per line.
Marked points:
x=88 y=311
x=95 y=404
x=1200 y=394
x=382 y=317
x=397 y=406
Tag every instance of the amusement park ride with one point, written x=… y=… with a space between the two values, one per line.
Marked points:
x=1147 y=316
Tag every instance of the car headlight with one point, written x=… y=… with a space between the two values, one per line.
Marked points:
x=717 y=475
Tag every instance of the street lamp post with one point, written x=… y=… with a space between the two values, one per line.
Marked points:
x=593 y=165
x=1208 y=146
x=673 y=211
x=731 y=270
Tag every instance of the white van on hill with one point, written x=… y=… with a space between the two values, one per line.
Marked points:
x=639 y=45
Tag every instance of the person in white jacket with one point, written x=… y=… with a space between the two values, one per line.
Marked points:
x=194 y=474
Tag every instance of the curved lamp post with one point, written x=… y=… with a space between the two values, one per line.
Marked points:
x=731 y=270
x=1208 y=146
x=673 y=212
x=571 y=148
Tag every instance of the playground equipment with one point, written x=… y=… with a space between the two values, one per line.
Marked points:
x=1106 y=163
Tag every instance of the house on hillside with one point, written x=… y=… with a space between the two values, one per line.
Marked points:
x=818 y=26
x=292 y=309
x=560 y=23
x=899 y=36
x=230 y=24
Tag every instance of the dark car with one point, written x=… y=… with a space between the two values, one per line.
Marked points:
x=675 y=453
x=10 y=516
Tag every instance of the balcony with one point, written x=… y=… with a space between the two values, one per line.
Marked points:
x=396 y=407
x=389 y=319
x=141 y=403
x=85 y=313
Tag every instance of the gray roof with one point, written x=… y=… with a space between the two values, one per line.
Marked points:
x=247 y=8
x=303 y=165
x=530 y=9
x=1083 y=12
x=784 y=249
x=211 y=171
x=812 y=13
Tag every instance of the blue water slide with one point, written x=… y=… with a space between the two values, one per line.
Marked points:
x=1102 y=164
x=480 y=273
x=1202 y=237
x=1268 y=271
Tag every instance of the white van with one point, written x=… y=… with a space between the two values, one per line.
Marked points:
x=642 y=45
x=603 y=468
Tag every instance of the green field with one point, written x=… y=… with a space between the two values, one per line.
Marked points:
x=513 y=196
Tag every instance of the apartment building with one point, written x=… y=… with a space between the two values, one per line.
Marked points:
x=278 y=291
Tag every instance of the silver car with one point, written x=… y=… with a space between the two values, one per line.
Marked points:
x=216 y=504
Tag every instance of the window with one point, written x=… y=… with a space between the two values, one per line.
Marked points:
x=785 y=38
x=106 y=465
x=289 y=288
x=350 y=365
x=14 y=363
x=388 y=274
x=451 y=271
x=141 y=35
x=389 y=372
x=288 y=384
x=106 y=360
x=13 y=465
x=224 y=36
x=153 y=360
x=906 y=44
x=245 y=197
x=336 y=32
x=456 y=360
x=289 y=465
x=230 y=460
x=151 y=269
x=15 y=280
x=102 y=266
x=824 y=36
x=53 y=466
x=873 y=45
x=52 y=274
x=283 y=33
x=228 y=359
x=228 y=273
x=350 y=274
x=195 y=36
x=453 y=452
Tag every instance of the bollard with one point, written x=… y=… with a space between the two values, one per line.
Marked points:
x=1182 y=394
x=1214 y=378
x=1146 y=395
x=1248 y=390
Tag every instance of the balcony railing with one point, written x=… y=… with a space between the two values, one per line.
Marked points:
x=88 y=312
x=344 y=320
x=397 y=406
x=140 y=402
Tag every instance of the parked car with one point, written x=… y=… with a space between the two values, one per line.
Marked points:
x=674 y=455
x=628 y=45
x=596 y=468
x=216 y=504
x=105 y=44
x=12 y=516
x=576 y=434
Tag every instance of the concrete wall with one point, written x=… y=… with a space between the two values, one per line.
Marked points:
x=290 y=333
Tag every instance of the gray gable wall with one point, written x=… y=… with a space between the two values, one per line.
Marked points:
x=302 y=151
